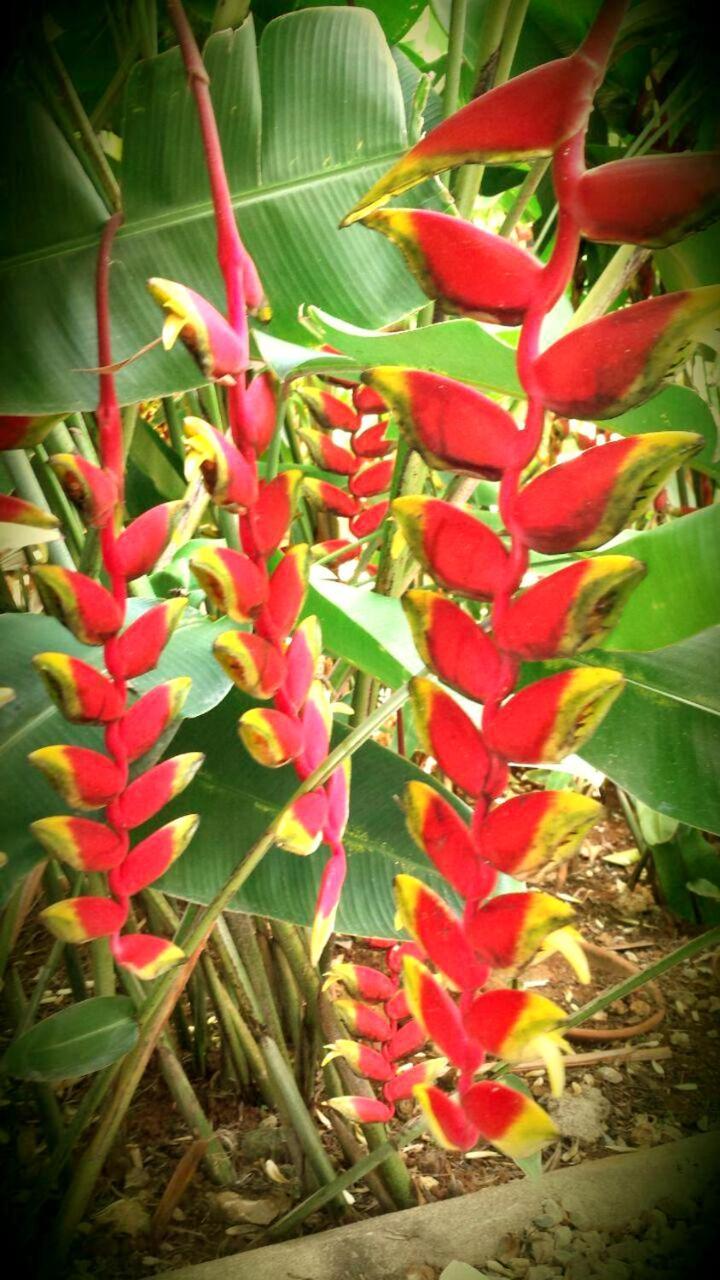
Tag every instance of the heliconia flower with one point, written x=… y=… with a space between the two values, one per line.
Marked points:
x=81 y=843
x=147 y=794
x=363 y=1019
x=151 y=715
x=361 y=980
x=146 y=955
x=142 y=543
x=570 y=945
x=439 y=1015
x=433 y=925
x=151 y=858
x=525 y=117
x=461 y=553
x=332 y=545
x=449 y=1124
x=372 y=442
x=260 y=412
x=441 y=833
x=337 y=790
x=362 y=1110
x=85 y=779
x=451 y=424
x=513 y=1123
x=520 y=1024
x=326 y=454
x=82 y=919
x=529 y=830
x=372 y=478
x=366 y=400
x=286 y=593
x=330 y=411
x=253 y=664
x=270 y=517
x=82 y=693
x=365 y=1061
x=18 y=511
x=408 y=1039
x=648 y=200
x=23 y=431
x=568 y=611
x=328 y=497
x=301 y=660
x=369 y=519
x=395 y=957
x=85 y=607
x=605 y=367
x=581 y=504
x=139 y=647
x=270 y=737
x=507 y=930
x=93 y=490
x=552 y=718
x=229 y=478
x=452 y=644
x=397 y=1006
x=300 y=828
x=208 y=336
x=316 y=720
x=469 y=271
x=331 y=883
x=446 y=732
x=255 y=299
x=235 y=584
x=408 y=1076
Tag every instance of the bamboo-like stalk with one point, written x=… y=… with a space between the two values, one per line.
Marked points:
x=243 y=931
x=453 y=65
x=228 y=1028
x=235 y=972
x=16 y=910
x=71 y=960
x=84 y=129
x=216 y=1160
x=103 y=966
x=27 y=486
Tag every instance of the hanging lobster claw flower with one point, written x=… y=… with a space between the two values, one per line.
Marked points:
x=255 y=299
x=507 y=930
x=82 y=919
x=452 y=644
x=93 y=490
x=286 y=593
x=149 y=717
x=85 y=779
x=270 y=737
x=328 y=899
x=407 y=1077
x=270 y=517
x=606 y=366
x=360 y=980
x=372 y=478
x=432 y=924
x=316 y=719
x=367 y=1062
x=447 y=733
x=648 y=200
x=140 y=546
x=337 y=790
x=513 y=1123
x=260 y=412
x=362 y=1110
x=363 y=1020
x=230 y=479
x=253 y=664
x=302 y=657
x=16 y=511
x=145 y=955
x=529 y=830
x=553 y=717
x=82 y=693
x=328 y=497
x=528 y=116
x=450 y=1126
x=408 y=1039
x=581 y=504
x=151 y=858
x=436 y=827
x=438 y=1015
x=461 y=553
x=372 y=442
x=366 y=400
x=148 y=793
x=208 y=336
x=231 y=580
x=300 y=828
x=81 y=843
x=571 y=610
x=451 y=424
x=140 y=645
x=332 y=413
x=520 y=1024
x=369 y=519
x=85 y=607
x=23 y=431
x=326 y=454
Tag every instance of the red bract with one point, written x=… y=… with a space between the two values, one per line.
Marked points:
x=462 y=554
x=649 y=200
x=457 y=649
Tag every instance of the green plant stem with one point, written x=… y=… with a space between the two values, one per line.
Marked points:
x=235 y=971
x=103 y=967
x=243 y=931
x=530 y=184
x=272 y=457
x=27 y=486
x=367 y=538
x=59 y=502
x=71 y=959
x=85 y=130
x=453 y=66
x=619 y=271
x=228 y=1028
x=490 y=35
x=62 y=1152
x=16 y=1004
x=173 y=418
x=286 y=1085
x=216 y=1161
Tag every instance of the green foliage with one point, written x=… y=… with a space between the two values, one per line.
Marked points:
x=74 y=1042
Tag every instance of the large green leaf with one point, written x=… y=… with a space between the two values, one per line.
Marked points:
x=675 y=409
x=370 y=630
x=75 y=1041
x=306 y=127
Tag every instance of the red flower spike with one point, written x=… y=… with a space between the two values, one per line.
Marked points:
x=433 y=925
x=260 y=412
x=145 y=955
x=513 y=1123
x=372 y=442
x=365 y=400
x=301 y=658
x=648 y=200
x=447 y=733
x=140 y=546
x=469 y=271
x=403 y=1084
x=270 y=517
x=147 y=794
x=453 y=644
x=361 y=980
x=362 y=1110
x=300 y=828
x=337 y=790
x=568 y=611
x=270 y=737
x=209 y=338
x=22 y=431
x=151 y=858
x=139 y=647
x=328 y=899
x=82 y=605
x=316 y=720
x=151 y=715
x=581 y=504
x=460 y=552
x=332 y=413
x=18 y=511
x=371 y=479
x=83 y=694
x=326 y=454
x=363 y=1019
x=441 y=833
x=438 y=1014
x=529 y=830
x=605 y=367
x=369 y=519
x=449 y=1125
x=234 y=583
x=507 y=931
x=230 y=479
x=553 y=717
x=451 y=424
x=85 y=779
x=82 y=844
x=327 y=497
x=82 y=919
x=253 y=664
x=408 y=1039
x=520 y=1024
x=91 y=489
x=528 y=116
x=365 y=1061
x=286 y=593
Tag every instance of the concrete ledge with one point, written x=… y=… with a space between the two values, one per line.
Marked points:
x=605 y=1193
